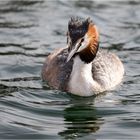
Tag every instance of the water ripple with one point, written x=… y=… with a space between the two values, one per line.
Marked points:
x=29 y=109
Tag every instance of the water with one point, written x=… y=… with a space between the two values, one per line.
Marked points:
x=29 y=30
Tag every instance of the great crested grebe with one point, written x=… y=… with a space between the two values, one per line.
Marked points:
x=81 y=68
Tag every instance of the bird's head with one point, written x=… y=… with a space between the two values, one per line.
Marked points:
x=82 y=39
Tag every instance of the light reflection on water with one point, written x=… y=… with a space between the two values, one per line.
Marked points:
x=29 y=30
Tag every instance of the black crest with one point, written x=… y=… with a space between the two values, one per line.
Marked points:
x=77 y=28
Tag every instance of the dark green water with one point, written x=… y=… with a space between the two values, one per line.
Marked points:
x=29 y=30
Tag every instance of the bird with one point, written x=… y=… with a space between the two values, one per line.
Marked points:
x=82 y=68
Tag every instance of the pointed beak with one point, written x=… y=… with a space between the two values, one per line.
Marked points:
x=71 y=54
x=73 y=49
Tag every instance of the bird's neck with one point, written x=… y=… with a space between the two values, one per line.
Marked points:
x=81 y=81
x=81 y=67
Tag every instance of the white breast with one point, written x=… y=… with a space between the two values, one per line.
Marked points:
x=81 y=81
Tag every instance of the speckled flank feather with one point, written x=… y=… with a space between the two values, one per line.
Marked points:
x=107 y=69
x=56 y=71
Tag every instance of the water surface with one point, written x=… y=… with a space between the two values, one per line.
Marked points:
x=29 y=30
